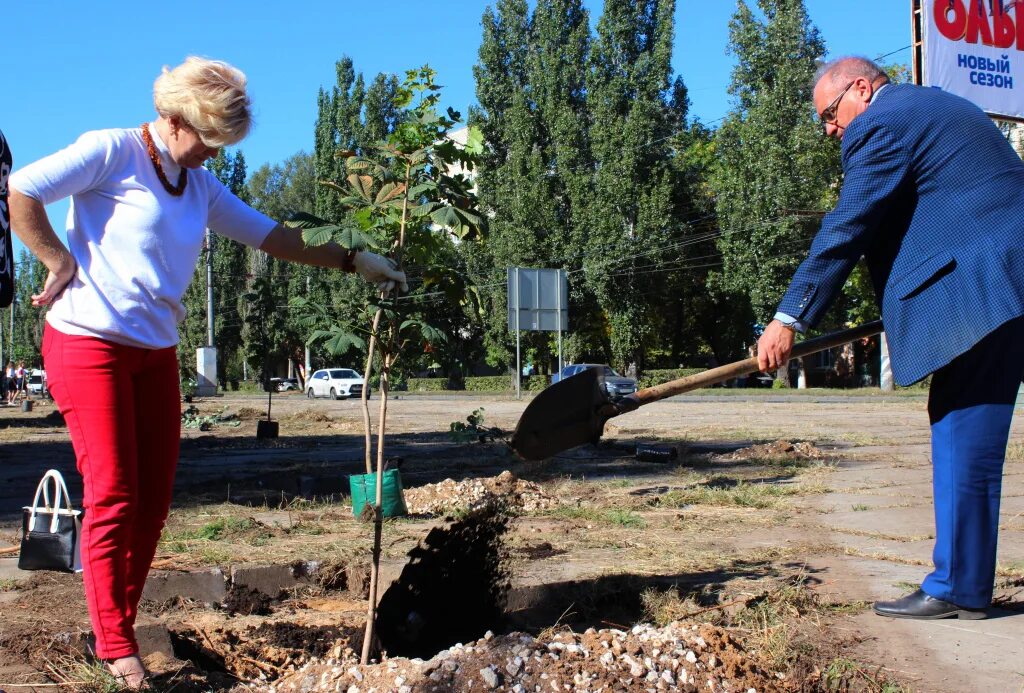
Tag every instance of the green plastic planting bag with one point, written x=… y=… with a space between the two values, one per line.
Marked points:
x=364 y=491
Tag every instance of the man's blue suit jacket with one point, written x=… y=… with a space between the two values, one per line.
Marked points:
x=933 y=197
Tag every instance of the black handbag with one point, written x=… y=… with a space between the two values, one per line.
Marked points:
x=51 y=533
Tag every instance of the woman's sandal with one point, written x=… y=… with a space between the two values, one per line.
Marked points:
x=129 y=672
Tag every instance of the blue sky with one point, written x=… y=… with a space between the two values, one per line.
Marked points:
x=76 y=66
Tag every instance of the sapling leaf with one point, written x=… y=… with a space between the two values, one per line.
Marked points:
x=319 y=235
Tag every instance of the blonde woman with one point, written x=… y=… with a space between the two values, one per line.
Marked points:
x=140 y=202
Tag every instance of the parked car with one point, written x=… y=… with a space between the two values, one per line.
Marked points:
x=284 y=384
x=336 y=383
x=36 y=382
x=616 y=385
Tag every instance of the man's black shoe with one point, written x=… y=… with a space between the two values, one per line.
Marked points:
x=922 y=605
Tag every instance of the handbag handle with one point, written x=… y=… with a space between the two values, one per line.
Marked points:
x=43 y=488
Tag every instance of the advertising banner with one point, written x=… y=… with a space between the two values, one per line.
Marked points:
x=975 y=49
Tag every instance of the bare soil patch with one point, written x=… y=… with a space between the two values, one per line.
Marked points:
x=614 y=573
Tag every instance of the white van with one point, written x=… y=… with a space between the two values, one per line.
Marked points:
x=36 y=381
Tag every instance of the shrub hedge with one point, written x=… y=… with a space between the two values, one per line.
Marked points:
x=486 y=383
x=658 y=376
x=426 y=384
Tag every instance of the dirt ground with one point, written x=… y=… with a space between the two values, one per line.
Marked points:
x=743 y=554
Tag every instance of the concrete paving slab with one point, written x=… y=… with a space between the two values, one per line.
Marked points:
x=951 y=655
x=9 y=570
x=1011 y=547
x=206 y=586
x=270 y=580
x=851 y=578
x=873 y=547
x=879 y=477
x=916 y=522
x=1011 y=505
x=838 y=502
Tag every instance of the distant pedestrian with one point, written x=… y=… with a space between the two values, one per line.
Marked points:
x=10 y=382
x=21 y=374
x=141 y=201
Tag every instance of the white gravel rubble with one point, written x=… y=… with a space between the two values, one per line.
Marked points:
x=449 y=495
x=645 y=658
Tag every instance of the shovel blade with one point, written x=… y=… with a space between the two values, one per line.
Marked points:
x=561 y=417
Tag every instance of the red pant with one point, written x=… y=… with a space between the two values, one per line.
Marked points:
x=122 y=407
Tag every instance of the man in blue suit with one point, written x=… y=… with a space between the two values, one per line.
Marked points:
x=932 y=199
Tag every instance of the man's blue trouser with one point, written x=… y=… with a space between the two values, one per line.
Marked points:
x=970 y=406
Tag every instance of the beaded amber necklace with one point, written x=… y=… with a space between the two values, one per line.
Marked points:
x=154 y=156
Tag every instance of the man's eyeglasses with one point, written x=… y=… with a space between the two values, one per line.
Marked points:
x=828 y=115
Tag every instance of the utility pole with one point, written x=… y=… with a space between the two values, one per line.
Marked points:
x=209 y=288
x=305 y=374
x=206 y=357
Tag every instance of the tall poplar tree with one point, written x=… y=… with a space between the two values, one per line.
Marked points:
x=775 y=169
x=512 y=179
x=557 y=73
x=338 y=127
x=634 y=223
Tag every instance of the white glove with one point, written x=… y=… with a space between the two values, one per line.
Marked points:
x=381 y=271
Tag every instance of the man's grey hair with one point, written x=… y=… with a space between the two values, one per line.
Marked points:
x=843 y=70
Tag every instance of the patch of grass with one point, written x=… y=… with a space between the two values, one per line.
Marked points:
x=81 y=676
x=725 y=491
x=906 y=586
x=8 y=585
x=843 y=674
x=614 y=516
x=309 y=528
x=769 y=616
x=210 y=555
x=625 y=518
x=1012 y=569
x=575 y=512
x=220 y=528
x=1015 y=452
x=860 y=507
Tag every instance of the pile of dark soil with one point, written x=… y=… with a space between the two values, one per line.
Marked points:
x=775 y=451
x=453 y=588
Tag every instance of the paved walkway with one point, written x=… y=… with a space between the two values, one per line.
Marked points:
x=883 y=509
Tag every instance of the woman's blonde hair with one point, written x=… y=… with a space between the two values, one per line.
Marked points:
x=209 y=95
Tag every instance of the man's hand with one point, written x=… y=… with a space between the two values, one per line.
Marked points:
x=774 y=346
x=381 y=271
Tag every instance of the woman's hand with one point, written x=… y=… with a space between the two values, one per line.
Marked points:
x=381 y=271
x=30 y=223
x=55 y=282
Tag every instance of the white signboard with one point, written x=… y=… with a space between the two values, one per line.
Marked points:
x=538 y=299
x=975 y=49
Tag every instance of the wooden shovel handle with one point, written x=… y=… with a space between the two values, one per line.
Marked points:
x=746 y=366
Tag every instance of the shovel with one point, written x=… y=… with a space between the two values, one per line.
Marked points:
x=573 y=411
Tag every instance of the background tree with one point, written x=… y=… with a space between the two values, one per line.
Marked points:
x=515 y=191
x=280 y=192
x=635 y=235
x=350 y=119
x=774 y=168
x=229 y=276
x=26 y=342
